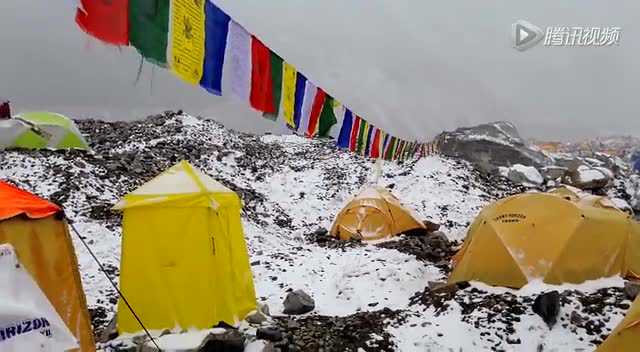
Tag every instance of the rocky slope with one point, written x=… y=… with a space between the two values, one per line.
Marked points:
x=385 y=293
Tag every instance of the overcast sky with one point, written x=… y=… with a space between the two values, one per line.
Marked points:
x=412 y=67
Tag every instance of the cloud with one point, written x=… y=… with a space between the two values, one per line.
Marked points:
x=413 y=67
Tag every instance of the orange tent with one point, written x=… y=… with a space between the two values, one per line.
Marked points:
x=374 y=214
x=39 y=234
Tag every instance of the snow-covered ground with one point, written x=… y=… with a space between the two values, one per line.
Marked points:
x=291 y=186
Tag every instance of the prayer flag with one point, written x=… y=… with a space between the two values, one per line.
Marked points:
x=239 y=56
x=353 y=141
x=289 y=93
x=276 y=82
x=367 y=143
x=261 y=84
x=310 y=91
x=375 y=145
x=345 y=131
x=187 y=40
x=327 y=117
x=316 y=110
x=106 y=21
x=215 y=44
x=362 y=135
x=301 y=83
x=338 y=112
x=149 y=29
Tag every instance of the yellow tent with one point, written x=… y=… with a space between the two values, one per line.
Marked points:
x=40 y=236
x=184 y=258
x=374 y=214
x=626 y=336
x=559 y=237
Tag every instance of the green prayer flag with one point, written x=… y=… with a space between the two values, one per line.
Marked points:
x=327 y=118
x=276 y=79
x=391 y=149
x=361 y=136
x=149 y=29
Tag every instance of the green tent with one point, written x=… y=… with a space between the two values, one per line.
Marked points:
x=40 y=130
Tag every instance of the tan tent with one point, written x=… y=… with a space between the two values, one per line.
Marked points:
x=39 y=234
x=626 y=336
x=374 y=214
x=559 y=237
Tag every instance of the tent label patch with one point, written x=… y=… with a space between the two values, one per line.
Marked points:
x=510 y=218
x=41 y=324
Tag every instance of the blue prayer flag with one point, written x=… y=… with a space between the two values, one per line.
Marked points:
x=216 y=30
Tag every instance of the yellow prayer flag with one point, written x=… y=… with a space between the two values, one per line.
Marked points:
x=289 y=93
x=186 y=57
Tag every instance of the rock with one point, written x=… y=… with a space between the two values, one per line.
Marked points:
x=269 y=333
x=489 y=146
x=576 y=318
x=124 y=347
x=633 y=190
x=547 y=306
x=525 y=175
x=229 y=341
x=631 y=289
x=435 y=284
x=298 y=302
x=570 y=162
x=110 y=331
x=552 y=173
x=586 y=177
x=438 y=239
x=264 y=308
x=261 y=346
x=445 y=288
x=321 y=231
x=256 y=317
x=431 y=226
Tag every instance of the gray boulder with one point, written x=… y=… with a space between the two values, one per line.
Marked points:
x=633 y=190
x=490 y=146
x=553 y=172
x=229 y=341
x=589 y=178
x=298 y=302
x=525 y=175
x=547 y=306
x=632 y=289
x=568 y=161
x=256 y=317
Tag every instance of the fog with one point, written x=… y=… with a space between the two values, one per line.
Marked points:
x=411 y=67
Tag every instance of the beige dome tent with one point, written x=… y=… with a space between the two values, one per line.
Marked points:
x=559 y=237
x=626 y=336
x=374 y=214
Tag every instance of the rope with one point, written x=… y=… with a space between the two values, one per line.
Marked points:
x=124 y=299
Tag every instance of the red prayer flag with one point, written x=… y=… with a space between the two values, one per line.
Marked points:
x=261 y=84
x=107 y=21
x=316 y=110
x=353 y=142
x=375 y=147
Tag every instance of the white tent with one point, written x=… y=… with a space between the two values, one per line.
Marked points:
x=28 y=321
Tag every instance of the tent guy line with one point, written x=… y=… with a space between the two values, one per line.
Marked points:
x=115 y=287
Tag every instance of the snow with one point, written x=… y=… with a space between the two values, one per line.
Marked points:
x=189 y=340
x=484 y=137
x=310 y=190
x=530 y=173
x=588 y=174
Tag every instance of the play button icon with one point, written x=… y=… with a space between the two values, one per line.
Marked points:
x=525 y=35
